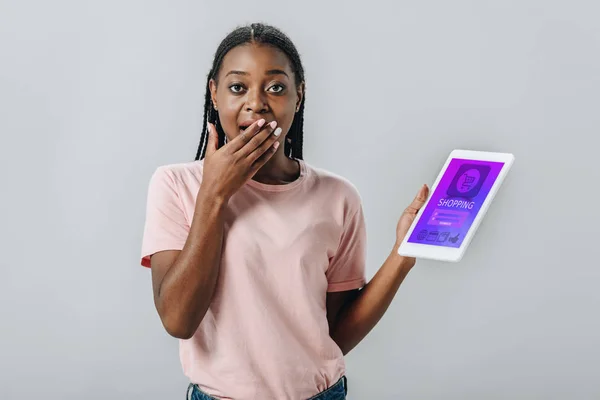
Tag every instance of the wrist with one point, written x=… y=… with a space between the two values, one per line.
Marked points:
x=210 y=193
x=209 y=199
x=400 y=261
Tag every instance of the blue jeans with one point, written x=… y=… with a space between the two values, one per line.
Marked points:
x=337 y=391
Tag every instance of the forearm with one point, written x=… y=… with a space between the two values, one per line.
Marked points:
x=360 y=315
x=187 y=288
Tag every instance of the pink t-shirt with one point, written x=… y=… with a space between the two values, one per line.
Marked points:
x=265 y=335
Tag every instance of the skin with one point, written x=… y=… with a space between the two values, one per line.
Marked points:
x=256 y=82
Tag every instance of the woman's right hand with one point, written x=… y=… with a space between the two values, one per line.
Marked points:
x=228 y=168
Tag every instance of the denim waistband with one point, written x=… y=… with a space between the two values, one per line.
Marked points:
x=337 y=391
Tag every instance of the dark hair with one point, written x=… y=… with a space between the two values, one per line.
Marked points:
x=263 y=34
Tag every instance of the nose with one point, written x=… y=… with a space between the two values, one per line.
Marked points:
x=256 y=102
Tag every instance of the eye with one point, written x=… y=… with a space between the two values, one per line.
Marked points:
x=278 y=88
x=236 y=88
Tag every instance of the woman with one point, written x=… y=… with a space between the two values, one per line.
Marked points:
x=258 y=258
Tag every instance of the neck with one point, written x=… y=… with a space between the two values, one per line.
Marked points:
x=279 y=170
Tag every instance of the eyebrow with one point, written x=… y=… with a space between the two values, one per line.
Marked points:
x=269 y=72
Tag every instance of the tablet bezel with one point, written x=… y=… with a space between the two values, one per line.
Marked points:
x=454 y=254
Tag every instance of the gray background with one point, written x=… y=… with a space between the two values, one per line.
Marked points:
x=95 y=95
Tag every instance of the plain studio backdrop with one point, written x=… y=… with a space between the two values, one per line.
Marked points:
x=95 y=95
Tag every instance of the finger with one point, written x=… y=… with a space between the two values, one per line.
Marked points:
x=266 y=156
x=242 y=139
x=254 y=143
x=267 y=144
x=259 y=138
x=418 y=201
x=213 y=140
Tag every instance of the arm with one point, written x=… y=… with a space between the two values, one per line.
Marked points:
x=184 y=281
x=352 y=315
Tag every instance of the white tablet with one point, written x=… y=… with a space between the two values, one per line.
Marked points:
x=458 y=201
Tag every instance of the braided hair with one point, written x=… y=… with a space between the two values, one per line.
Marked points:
x=263 y=34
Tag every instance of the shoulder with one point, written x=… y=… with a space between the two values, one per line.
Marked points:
x=335 y=185
x=175 y=180
x=178 y=173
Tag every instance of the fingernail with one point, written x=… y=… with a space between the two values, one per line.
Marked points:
x=273 y=124
x=261 y=122
x=277 y=131
x=276 y=145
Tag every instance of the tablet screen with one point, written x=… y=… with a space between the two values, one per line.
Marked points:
x=455 y=203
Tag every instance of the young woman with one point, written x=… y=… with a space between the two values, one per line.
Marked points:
x=257 y=257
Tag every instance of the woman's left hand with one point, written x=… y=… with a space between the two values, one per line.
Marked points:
x=408 y=216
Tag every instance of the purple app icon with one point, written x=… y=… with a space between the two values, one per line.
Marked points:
x=468 y=180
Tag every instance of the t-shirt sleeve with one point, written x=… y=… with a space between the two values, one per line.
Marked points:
x=166 y=227
x=347 y=267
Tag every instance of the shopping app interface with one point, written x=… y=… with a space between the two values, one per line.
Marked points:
x=455 y=202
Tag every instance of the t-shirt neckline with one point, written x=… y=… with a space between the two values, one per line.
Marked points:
x=284 y=187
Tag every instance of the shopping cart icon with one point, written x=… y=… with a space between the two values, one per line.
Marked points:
x=468 y=180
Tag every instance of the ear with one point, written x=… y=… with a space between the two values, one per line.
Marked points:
x=299 y=95
x=213 y=92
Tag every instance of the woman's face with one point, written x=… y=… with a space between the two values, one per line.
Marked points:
x=254 y=82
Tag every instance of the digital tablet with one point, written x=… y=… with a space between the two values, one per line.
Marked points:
x=458 y=201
